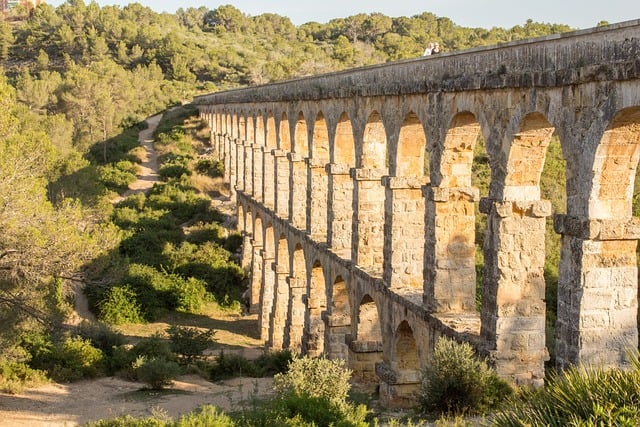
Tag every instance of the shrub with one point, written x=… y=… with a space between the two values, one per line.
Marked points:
x=15 y=376
x=173 y=171
x=101 y=335
x=189 y=293
x=119 y=305
x=457 y=382
x=316 y=377
x=579 y=397
x=231 y=365
x=68 y=360
x=274 y=362
x=206 y=415
x=154 y=347
x=157 y=373
x=190 y=343
x=118 y=176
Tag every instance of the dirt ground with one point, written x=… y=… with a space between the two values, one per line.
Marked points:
x=57 y=405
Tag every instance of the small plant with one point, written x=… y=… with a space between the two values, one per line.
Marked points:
x=15 y=376
x=316 y=377
x=157 y=373
x=456 y=382
x=119 y=305
x=190 y=343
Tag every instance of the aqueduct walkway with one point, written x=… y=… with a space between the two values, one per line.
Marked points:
x=355 y=198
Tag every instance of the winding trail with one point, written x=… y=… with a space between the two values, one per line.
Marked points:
x=147 y=177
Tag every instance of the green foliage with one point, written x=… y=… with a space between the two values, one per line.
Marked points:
x=303 y=410
x=101 y=335
x=455 y=381
x=154 y=347
x=70 y=359
x=232 y=365
x=119 y=305
x=117 y=176
x=190 y=343
x=315 y=378
x=16 y=376
x=205 y=416
x=156 y=373
x=580 y=396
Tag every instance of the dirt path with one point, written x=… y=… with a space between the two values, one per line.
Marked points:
x=65 y=405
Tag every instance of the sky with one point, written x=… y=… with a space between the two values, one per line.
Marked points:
x=466 y=13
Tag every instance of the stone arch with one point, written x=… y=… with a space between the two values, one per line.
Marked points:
x=457 y=157
x=368 y=320
x=526 y=158
x=615 y=163
x=340 y=206
x=313 y=343
x=319 y=149
x=267 y=295
x=301 y=137
x=296 y=311
x=279 y=312
x=450 y=272
x=284 y=140
x=411 y=158
x=374 y=143
x=257 y=264
x=251 y=130
x=366 y=350
x=344 y=152
x=338 y=321
x=405 y=349
x=271 y=136
x=318 y=184
x=602 y=266
x=242 y=127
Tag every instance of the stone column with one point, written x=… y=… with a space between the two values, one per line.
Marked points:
x=513 y=308
x=278 y=318
x=368 y=219
x=232 y=167
x=258 y=159
x=268 y=178
x=340 y=209
x=597 y=291
x=363 y=356
x=240 y=148
x=216 y=142
x=226 y=157
x=247 y=251
x=248 y=169
x=296 y=313
x=404 y=212
x=398 y=387
x=256 y=276
x=450 y=274
x=281 y=173
x=298 y=185
x=337 y=328
x=317 y=199
x=314 y=330
x=267 y=295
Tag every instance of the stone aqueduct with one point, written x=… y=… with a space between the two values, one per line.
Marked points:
x=355 y=200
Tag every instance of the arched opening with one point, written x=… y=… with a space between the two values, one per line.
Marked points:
x=412 y=158
x=317 y=181
x=338 y=321
x=313 y=343
x=296 y=312
x=406 y=350
x=368 y=321
x=340 y=207
x=280 y=309
x=366 y=350
x=450 y=264
x=374 y=143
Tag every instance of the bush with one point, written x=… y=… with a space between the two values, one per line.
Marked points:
x=154 y=347
x=189 y=343
x=68 y=360
x=189 y=294
x=316 y=378
x=118 y=176
x=205 y=416
x=101 y=335
x=457 y=382
x=297 y=410
x=157 y=373
x=232 y=365
x=173 y=171
x=15 y=376
x=579 y=397
x=120 y=305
